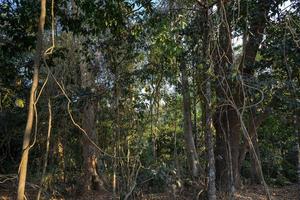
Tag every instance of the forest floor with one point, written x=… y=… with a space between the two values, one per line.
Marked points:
x=255 y=192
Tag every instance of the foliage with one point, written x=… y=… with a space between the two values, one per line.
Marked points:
x=134 y=49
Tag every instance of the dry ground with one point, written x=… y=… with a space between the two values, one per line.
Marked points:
x=290 y=192
x=278 y=193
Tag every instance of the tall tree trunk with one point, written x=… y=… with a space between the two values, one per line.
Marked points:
x=227 y=150
x=30 y=116
x=90 y=157
x=211 y=193
x=195 y=122
x=153 y=127
x=230 y=118
x=91 y=178
x=188 y=132
x=296 y=124
x=117 y=130
x=253 y=39
x=175 y=154
x=226 y=119
x=47 y=150
x=209 y=144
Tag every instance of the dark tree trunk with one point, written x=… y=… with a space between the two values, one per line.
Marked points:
x=253 y=39
x=255 y=174
x=227 y=152
x=227 y=120
x=255 y=122
x=90 y=154
x=227 y=123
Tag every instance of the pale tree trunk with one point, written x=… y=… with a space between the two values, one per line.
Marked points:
x=211 y=192
x=195 y=122
x=153 y=140
x=153 y=123
x=175 y=154
x=188 y=133
x=90 y=154
x=30 y=117
x=61 y=159
x=117 y=131
x=209 y=144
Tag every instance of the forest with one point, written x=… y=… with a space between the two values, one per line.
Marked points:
x=150 y=99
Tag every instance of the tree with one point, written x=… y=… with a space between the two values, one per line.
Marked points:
x=173 y=97
x=188 y=134
x=208 y=105
x=32 y=104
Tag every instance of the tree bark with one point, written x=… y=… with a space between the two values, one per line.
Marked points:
x=210 y=145
x=252 y=130
x=47 y=150
x=117 y=129
x=211 y=191
x=297 y=134
x=195 y=121
x=254 y=38
x=188 y=132
x=255 y=174
x=30 y=116
x=91 y=177
x=254 y=124
x=227 y=119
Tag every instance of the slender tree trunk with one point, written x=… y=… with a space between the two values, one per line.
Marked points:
x=195 y=129
x=210 y=145
x=47 y=150
x=211 y=193
x=153 y=135
x=117 y=131
x=30 y=117
x=188 y=132
x=153 y=127
x=297 y=134
x=61 y=158
x=90 y=154
x=175 y=154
